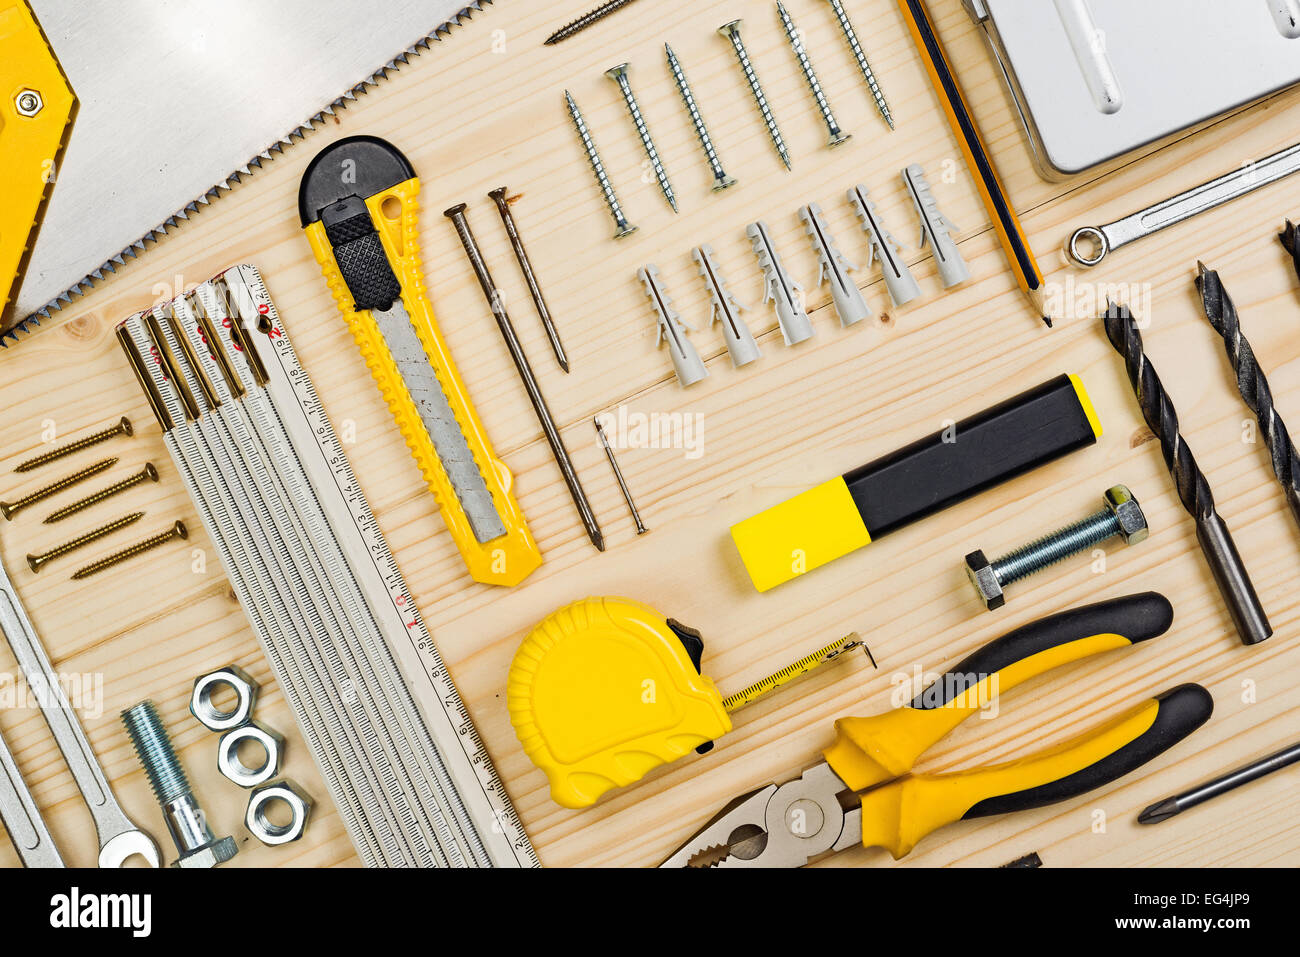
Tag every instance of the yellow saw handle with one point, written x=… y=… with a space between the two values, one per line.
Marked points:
x=505 y=560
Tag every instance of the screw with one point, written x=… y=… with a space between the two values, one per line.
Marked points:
x=498 y=196
x=720 y=178
x=123 y=427
x=29 y=102
x=732 y=32
x=176 y=531
x=618 y=475
x=580 y=24
x=623 y=228
x=148 y=473
x=37 y=562
x=864 y=64
x=1121 y=516
x=619 y=75
x=185 y=819
x=837 y=135
x=10 y=509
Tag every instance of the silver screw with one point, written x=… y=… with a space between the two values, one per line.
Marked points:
x=837 y=135
x=720 y=178
x=29 y=102
x=1121 y=516
x=623 y=227
x=732 y=32
x=619 y=75
x=864 y=64
x=185 y=819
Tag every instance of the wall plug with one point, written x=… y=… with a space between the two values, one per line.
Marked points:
x=898 y=278
x=726 y=309
x=835 y=268
x=779 y=287
x=936 y=229
x=672 y=330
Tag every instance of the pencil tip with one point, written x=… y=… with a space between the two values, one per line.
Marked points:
x=1047 y=320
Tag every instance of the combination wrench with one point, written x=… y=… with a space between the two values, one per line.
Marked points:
x=119 y=838
x=1180 y=208
x=22 y=819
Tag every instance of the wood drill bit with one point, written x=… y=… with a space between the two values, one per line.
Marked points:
x=1252 y=384
x=1291 y=241
x=1193 y=490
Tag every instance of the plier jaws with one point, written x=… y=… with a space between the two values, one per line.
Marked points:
x=780 y=825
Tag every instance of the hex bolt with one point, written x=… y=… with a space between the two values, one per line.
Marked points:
x=10 y=509
x=147 y=474
x=619 y=75
x=732 y=32
x=37 y=562
x=1121 y=517
x=123 y=427
x=29 y=102
x=622 y=227
x=176 y=531
x=837 y=135
x=185 y=819
x=720 y=178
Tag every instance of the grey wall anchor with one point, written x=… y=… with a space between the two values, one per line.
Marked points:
x=936 y=229
x=898 y=278
x=779 y=288
x=689 y=366
x=726 y=310
x=835 y=268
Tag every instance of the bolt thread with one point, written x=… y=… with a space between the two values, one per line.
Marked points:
x=760 y=97
x=59 y=486
x=1056 y=547
x=805 y=64
x=859 y=54
x=115 y=489
x=154 y=749
x=597 y=167
x=122 y=428
x=36 y=561
x=647 y=141
x=697 y=119
x=117 y=558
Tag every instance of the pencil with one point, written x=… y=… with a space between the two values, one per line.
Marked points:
x=1014 y=243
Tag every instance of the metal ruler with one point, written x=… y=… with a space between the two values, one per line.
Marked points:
x=304 y=552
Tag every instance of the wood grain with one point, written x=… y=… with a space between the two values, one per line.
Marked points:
x=483 y=109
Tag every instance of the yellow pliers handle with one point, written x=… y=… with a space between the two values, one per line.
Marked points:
x=373 y=170
x=871 y=751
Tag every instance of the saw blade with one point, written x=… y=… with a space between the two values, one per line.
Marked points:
x=122 y=185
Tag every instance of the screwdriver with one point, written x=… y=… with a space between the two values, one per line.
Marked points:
x=1163 y=810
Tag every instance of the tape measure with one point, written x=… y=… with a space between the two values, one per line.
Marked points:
x=605 y=690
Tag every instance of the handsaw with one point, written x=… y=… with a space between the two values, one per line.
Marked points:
x=182 y=99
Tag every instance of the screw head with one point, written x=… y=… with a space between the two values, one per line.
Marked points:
x=29 y=102
x=980 y=571
x=180 y=531
x=1128 y=513
x=150 y=472
x=618 y=72
x=730 y=29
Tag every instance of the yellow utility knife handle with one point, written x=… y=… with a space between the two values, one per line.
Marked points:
x=897 y=815
x=506 y=560
x=868 y=751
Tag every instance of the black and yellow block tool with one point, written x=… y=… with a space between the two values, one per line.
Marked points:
x=358 y=204
x=864 y=792
x=605 y=690
x=842 y=515
x=37 y=107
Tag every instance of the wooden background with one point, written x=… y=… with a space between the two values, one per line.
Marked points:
x=484 y=109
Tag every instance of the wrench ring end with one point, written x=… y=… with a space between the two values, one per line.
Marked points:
x=1091 y=234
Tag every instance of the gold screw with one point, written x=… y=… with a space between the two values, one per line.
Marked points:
x=176 y=531
x=10 y=509
x=37 y=562
x=148 y=473
x=123 y=427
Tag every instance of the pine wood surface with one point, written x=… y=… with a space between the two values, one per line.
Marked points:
x=484 y=108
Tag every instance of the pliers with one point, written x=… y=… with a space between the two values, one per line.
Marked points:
x=863 y=791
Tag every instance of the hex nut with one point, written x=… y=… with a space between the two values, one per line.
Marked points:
x=208 y=714
x=210 y=855
x=985 y=581
x=1132 y=522
x=228 y=763
x=261 y=827
x=28 y=102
